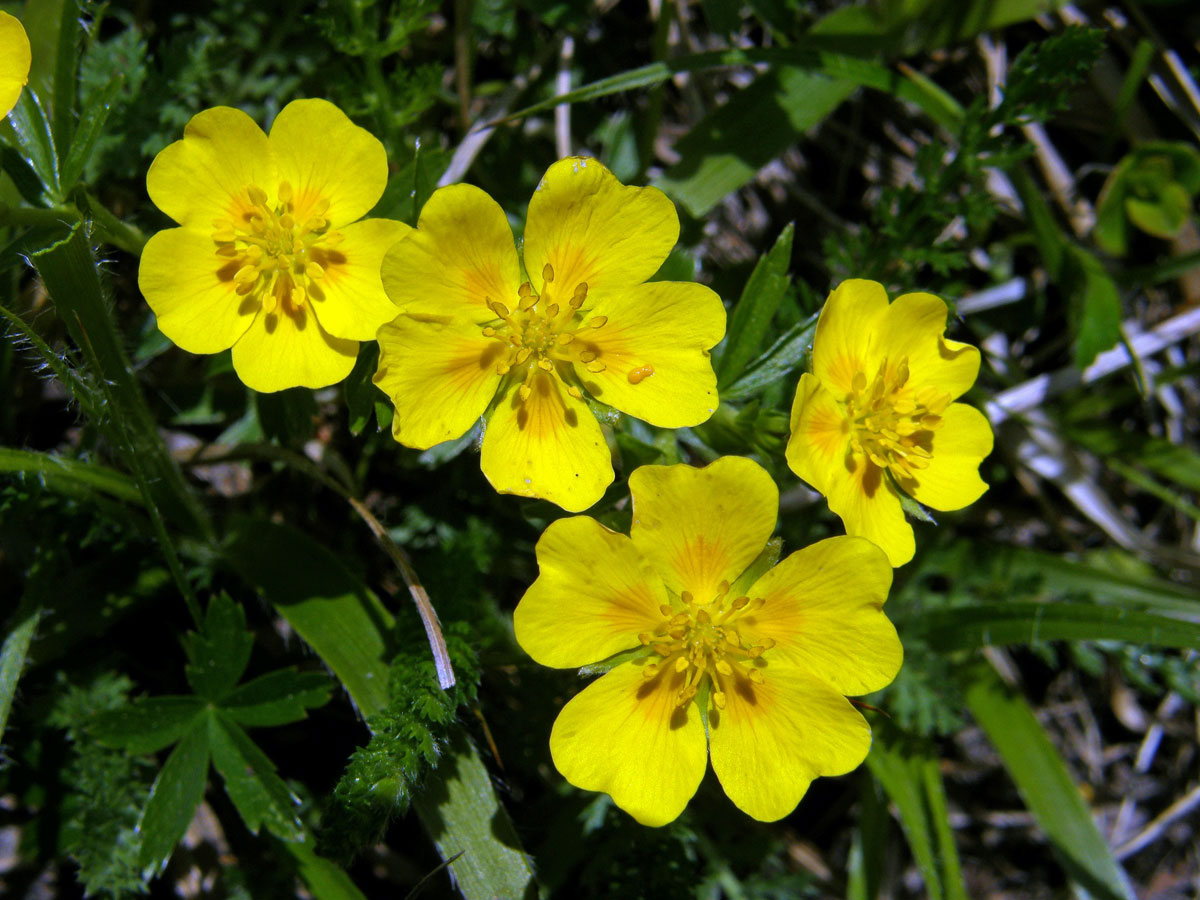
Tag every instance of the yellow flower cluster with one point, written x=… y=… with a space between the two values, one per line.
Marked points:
x=711 y=653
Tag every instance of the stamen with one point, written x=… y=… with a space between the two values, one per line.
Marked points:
x=640 y=374
x=547 y=273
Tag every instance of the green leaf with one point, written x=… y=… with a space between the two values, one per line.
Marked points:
x=287 y=416
x=1161 y=216
x=176 y=793
x=328 y=606
x=259 y=794
x=909 y=773
x=360 y=390
x=324 y=879
x=35 y=142
x=147 y=725
x=751 y=319
x=91 y=126
x=730 y=144
x=219 y=652
x=1045 y=785
x=460 y=810
x=20 y=631
x=1095 y=305
x=1024 y=623
x=277 y=698
x=788 y=353
x=70 y=476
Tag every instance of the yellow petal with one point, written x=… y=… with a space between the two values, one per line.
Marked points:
x=820 y=437
x=913 y=327
x=14 y=61
x=191 y=291
x=869 y=507
x=441 y=376
x=625 y=736
x=325 y=156
x=772 y=739
x=349 y=298
x=654 y=348
x=548 y=445
x=460 y=256
x=952 y=480
x=824 y=610
x=847 y=331
x=282 y=350
x=591 y=228
x=593 y=597
x=204 y=176
x=701 y=527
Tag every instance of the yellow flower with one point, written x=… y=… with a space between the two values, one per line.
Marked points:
x=763 y=664
x=270 y=259
x=477 y=332
x=876 y=415
x=14 y=62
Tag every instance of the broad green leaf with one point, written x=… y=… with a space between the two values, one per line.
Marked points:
x=147 y=725
x=990 y=624
x=462 y=815
x=730 y=144
x=69 y=475
x=20 y=631
x=259 y=794
x=751 y=319
x=176 y=793
x=787 y=354
x=219 y=652
x=1095 y=305
x=325 y=880
x=1163 y=215
x=321 y=599
x=277 y=698
x=1042 y=778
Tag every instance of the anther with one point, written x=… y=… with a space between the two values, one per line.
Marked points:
x=718 y=698
x=523 y=354
x=489 y=331
x=503 y=369
x=575 y=392
x=527 y=302
x=740 y=602
x=686 y=597
x=597 y=321
x=649 y=671
x=246 y=275
x=596 y=367
x=285 y=192
x=565 y=338
x=756 y=676
x=586 y=356
x=314 y=271
x=257 y=195
x=524 y=390
x=499 y=309
x=547 y=273
x=525 y=290
x=666 y=610
x=724 y=667
x=681 y=664
x=545 y=365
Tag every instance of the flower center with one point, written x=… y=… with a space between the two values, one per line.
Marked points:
x=274 y=256
x=892 y=424
x=703 y=641
x=543 y=334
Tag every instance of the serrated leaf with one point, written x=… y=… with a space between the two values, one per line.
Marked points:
x=259 y=794
x=277 y=698
x=219 y=652
x=751 y=318
x=147 y=725
x=788 y=353
x=1046 y=786
x=176 y=793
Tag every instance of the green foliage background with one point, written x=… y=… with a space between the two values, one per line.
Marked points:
x=211 y=666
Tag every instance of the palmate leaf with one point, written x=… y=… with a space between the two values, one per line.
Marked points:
x=259 y=794
x=220 y=651
x=147 y=725
x=277 y=698
x=173 y=799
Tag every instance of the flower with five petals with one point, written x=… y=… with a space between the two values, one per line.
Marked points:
x=15 y=58
x=761 y=661
x=477 y=334
x=270 y=257
x=876 y=416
